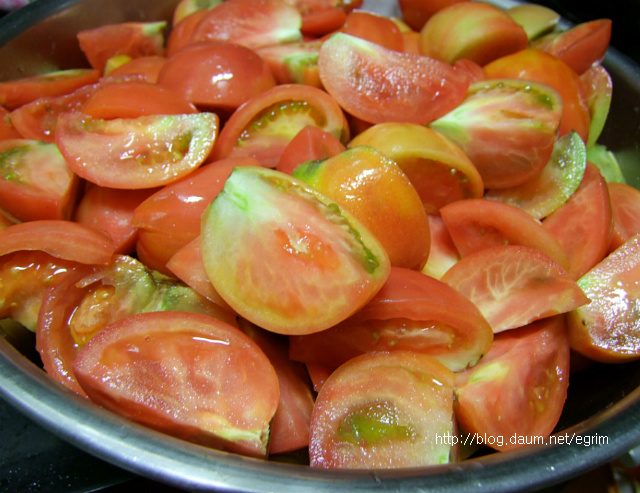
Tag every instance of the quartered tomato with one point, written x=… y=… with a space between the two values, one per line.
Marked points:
x=517 y=391
x=310 y=144
x=416 y=12
x=285 y=257
x=536 y=19
x=370 y=413
x=181 y=33
x=35 y=181
x=322 y=21
x=608 y=328
x=598 y=89
x=188 y=7
x=478 y=31
x=144 y=152
x=514 y=285
x=216 y=388
x=378 y=85
x=7 y=129
x=294 y=63
x=412 y=312
x=148 y=67
x=625 y=206
x=375 y=28
x=264 y=125
x=443 y=253
x=507 y=127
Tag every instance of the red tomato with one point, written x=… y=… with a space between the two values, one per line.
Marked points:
x=412 y=312
x=378 y=85
x=61 y=239
x=517 y=391
x=181 y=33
x=144 y=152
x=443 y=253
x=319 y=22
x=156 y=249
x=290 y=262
x=188 y=7
x=579 y=47
x=514 y=285
x=625 y=205
x=375 y=28
x=15 y=93
x=36 y=182
x=134 y=39
x=543 y=67
x=294 y=63
x=310 y=144
x=216 y=75
x=370 y=413
x=111 y=210
x=263 y=127
x=7 y=129
x=475 y=224
x=146 y=66
x=608 y=328
x=417 y=12
x=227 y=401
x=134 y=99
x=598 y=91
x=478 y=31
x=251 y=23
x=584 y=224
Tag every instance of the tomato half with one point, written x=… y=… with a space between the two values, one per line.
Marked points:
x=285 y=257
x=514 y=285
x=190 y=376
x=370 y=413
x=378 y=85
x=264 y=125
x=518 y=390
x=144 y=152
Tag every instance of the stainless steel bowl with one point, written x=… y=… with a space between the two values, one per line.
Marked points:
x=604 y=400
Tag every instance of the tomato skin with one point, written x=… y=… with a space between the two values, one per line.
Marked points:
x=293 y=63
x=167 y=147
x=356 y=73
x=322 y=21
x=310 y=144
x=625 y=205
x=181 y=33
x=263 y=126
x=475 y=30
x=417 y=12
x=375 y=28
x=214 y=75
x=369 y=413
x=235 y=382
x=514 y=285
x=443 y=253
x=7 y=130
x=61 y=239
x=598 y=90
x=584 y=224
x=519 y=388
x=156 y=249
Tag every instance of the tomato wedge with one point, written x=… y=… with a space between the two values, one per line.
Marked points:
x=514 y=285
x=310 y=144
x=378 y=85
x=144 y=152
x=625 y=205
x=370 y=413
x=216 y=388
x=285 y=257
x=517 y=391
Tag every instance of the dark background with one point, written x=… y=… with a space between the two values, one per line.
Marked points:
x=34 y=461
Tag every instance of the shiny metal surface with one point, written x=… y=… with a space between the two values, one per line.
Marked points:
x=603 y=401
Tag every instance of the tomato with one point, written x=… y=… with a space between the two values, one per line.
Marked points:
x=61 y=239
x=537 y=65
x=15 y=93
x=290 y=425
x=514 y=285
x=319 y=22
x=294 y=63
x=133 y=99
x=475 y=224
x=625 y=206
x=146 y=66
x=476 y=30
x=7 y=129
x=438 y=169
x=111 y=210
x=376 y=191
x=36 y=182
x=310 y=144
x=291 y=261
x=251 y=23
x=518 y=390
x=416 y=12
x=412 y=312
x=607 y=329
x=375 y=28
x=506 y=127
x=552 y=187
x=144 y=152
x=473 y=71
x=227 y=401
x=134 y=39
x=216 y=74
x=188 y=7
x=264 y=125
x=535 y=19
x=584 y=224
x=181 y=33
x=379 y=85
x=598 y=88
x=580 y=46
x=370 y=413
x=443 y=253
x=156 y=249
